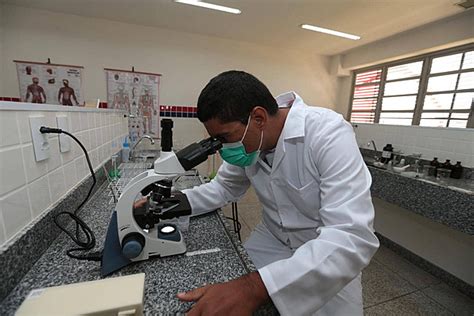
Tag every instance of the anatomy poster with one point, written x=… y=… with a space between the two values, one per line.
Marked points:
x=139 y=94
x=50 y=83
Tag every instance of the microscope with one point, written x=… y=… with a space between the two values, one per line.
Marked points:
x=138 y=229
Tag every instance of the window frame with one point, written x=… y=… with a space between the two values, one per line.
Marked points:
x=422 y=86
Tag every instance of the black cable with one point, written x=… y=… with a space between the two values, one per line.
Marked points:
x=81 y=226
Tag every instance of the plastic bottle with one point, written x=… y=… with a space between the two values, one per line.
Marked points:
x=435 y=164
x=125 y=151
x=387 y=153
x=456 y=172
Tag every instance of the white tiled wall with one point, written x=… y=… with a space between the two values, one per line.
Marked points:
x=444 y=143
x=29 y=188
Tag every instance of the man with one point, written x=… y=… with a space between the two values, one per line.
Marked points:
x=316 y=233
x=146 y=107
x=36 y=91
x=66 y=94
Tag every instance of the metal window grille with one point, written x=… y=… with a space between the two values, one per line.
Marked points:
x=435 y=89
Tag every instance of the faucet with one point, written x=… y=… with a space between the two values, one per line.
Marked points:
x=372 y=142
x=152 y=141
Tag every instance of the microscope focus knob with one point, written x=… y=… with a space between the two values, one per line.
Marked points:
x=132 y=245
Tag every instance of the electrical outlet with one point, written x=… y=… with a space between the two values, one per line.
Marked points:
x=40 y=141
x=64 y=140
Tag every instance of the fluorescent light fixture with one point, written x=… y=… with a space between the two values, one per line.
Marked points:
x=209 y=6
x=328 y=31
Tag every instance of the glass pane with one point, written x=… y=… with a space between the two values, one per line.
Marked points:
x=405 y=71
x=396 y=115
x=460 y=115
x=468 y=60
x=398 y=103
x=368 y=77
x=438 y=101
x=442 y=83
x=371 y=91
x=365 y=105
x=446 y=63
x=435 y=115
x=433 y=122
x=395 y=121
x=463 y=100
x=458 y=123
x=466 y=81
x=362 y=117
x=402 y=87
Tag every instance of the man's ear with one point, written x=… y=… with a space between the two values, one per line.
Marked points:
x=260 y=115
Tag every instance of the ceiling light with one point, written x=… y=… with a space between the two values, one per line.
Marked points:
x=328 y=31
x=209 y=6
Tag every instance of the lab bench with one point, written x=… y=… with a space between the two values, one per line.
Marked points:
x=214 y=255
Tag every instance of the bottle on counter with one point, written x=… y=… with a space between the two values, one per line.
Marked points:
x=125 y=151
x=435 y=164
x=387 y=154
x=456 y=171
x=446 y=165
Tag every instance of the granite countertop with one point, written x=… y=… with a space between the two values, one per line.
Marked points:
x=164 y=277
x=444 y=204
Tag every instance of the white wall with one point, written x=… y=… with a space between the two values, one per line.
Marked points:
x=445 y=143
x=29 y=188
x=2 y=19
x=187 y=61
x=442 y=34
x=452 y=31
x=446 y=248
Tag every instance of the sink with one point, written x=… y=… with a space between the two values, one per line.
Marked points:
x=145 y=155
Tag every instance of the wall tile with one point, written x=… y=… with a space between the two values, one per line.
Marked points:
x=84 y=121
x=24 y=125
x=57 y=184
x=54 y=160
x=12 y=172
x=33 y=169
x=8 y=129
x=76 y=122
x=70 y=176
x=15 y=211
x=91 y=120
x=81 y=169
x=39 y=194
x=3 y=235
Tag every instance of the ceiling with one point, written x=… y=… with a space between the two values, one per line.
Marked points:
x=272 y=23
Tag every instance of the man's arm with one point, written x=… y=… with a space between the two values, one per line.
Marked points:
x=321 y=267
x=229 y=185
x=59 y=95
x=43 y=94
x=28 y=92
x=238 y=297
x=73 y=94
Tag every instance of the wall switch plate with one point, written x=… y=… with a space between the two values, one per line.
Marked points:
x=64 y=140
x=40 y=141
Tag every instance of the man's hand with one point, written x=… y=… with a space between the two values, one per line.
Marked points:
x=241 y=296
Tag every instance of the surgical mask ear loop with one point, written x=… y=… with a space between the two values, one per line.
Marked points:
x=261 y=141
x=246 y=128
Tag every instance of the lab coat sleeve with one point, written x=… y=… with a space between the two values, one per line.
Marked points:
x=321 y=267
x=229 y=185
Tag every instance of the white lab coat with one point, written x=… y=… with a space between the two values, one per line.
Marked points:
x=316 y=233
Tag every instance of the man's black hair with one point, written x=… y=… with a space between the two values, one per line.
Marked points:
x=232 y=95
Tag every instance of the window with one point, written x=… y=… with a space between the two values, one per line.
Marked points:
x=431 y=90
x=366 y=92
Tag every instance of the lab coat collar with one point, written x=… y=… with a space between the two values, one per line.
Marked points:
x=294 y=124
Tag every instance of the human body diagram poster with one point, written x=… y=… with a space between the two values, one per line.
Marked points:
x=138 y=93
x=50 y=83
